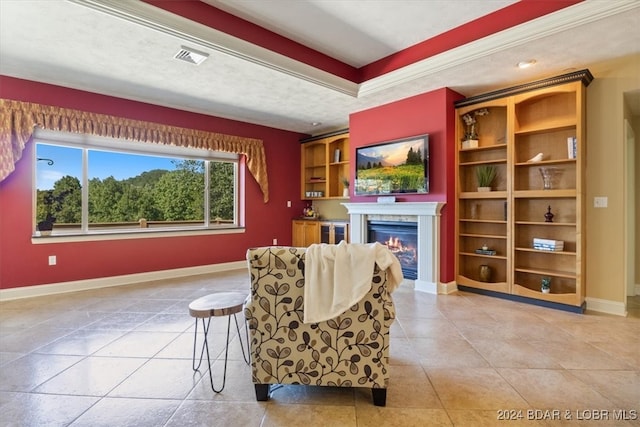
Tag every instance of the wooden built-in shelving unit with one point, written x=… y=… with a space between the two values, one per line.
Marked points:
x=322 y=169
x=521 y=122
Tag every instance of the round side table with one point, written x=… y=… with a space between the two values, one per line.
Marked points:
x=215 y=305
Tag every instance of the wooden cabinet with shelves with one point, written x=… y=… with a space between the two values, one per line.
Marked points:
x=306 y=232
x=324 y=162
x=482 y=216
x=334 y=232
x=528 y=129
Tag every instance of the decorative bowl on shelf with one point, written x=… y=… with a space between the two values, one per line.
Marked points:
x=550 y=177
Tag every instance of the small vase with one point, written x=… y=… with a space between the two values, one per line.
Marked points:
x=345 y=192
x=483 y=189
x=474 y=211
x=485 y=273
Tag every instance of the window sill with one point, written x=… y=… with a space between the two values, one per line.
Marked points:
x=125 y=235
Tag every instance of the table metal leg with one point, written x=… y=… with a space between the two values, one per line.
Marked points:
x=205 y=328
x=205 y=348
x=226 y=357
x=247 y=356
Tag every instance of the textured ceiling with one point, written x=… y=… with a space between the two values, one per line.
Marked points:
x=359 y=32
x=126 y=49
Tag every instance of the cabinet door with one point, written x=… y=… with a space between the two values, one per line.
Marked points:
x=326 y=233
x=311 y=232
x=297 y=233
x=340 y=233
x=305 y=233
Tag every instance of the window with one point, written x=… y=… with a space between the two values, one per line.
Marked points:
x=87 y=184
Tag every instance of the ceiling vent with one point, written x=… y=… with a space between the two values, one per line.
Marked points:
x=191 y=55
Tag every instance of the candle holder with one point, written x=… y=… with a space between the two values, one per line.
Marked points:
x=548 y=217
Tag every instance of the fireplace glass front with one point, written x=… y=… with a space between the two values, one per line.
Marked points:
x=401 y=238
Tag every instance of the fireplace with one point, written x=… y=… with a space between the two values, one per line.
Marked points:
x=401 y=238
x=424 y=215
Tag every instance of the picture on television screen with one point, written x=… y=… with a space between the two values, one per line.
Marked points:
x=399 y=166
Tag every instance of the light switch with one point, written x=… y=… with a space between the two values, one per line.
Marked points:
x=600 y=202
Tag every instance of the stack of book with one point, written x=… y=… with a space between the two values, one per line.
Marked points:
x=548 y=245
x=485 y=251
x=572 y=147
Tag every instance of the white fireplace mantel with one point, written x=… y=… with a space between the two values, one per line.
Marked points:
x=428 y=218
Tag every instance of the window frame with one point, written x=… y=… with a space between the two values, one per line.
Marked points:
x=87 y=142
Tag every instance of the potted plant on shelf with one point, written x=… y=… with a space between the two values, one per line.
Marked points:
x=345 y=186
x=485 y=174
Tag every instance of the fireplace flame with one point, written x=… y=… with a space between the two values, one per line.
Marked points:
x=394 y=243
x=405 y=253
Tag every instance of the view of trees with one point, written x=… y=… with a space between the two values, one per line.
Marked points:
x=157 y=195
x=413 y=158
x=375 y=177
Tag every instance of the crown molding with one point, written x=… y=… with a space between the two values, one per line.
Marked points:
x=583 y=76
x=147 y=15
x=142 y=13
x=573 y=16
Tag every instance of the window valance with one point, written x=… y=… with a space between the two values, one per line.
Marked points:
x=18 y=120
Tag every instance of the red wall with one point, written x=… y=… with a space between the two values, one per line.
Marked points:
x=24 y=264
x=431 y=113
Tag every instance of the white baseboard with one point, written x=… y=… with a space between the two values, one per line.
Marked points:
x=127 y=279
x=435 y=288
x=606 y=306
x=425 y=286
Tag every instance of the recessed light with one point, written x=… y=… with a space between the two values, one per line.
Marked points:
x=316 y=123
x=526 y=64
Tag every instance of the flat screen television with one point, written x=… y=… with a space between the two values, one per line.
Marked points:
x=393 y=167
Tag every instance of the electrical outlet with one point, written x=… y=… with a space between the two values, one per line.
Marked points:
x=600 y=202
x=52 y=260
x=288 y=203
x=275 y=242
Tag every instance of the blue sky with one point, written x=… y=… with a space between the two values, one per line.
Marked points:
x=68 y=161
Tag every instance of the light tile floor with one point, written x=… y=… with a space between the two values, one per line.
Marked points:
x=122 y=357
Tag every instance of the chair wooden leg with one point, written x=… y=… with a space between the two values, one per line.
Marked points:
x=379 y=396
x=262 y=392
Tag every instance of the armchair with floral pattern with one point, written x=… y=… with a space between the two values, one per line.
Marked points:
x=351 y=350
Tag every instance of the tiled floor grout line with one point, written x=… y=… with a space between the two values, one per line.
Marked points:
x=456 y=311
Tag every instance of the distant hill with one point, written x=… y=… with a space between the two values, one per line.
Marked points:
x=146 y=178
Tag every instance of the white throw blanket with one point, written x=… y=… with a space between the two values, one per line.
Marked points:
x=338 y=276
